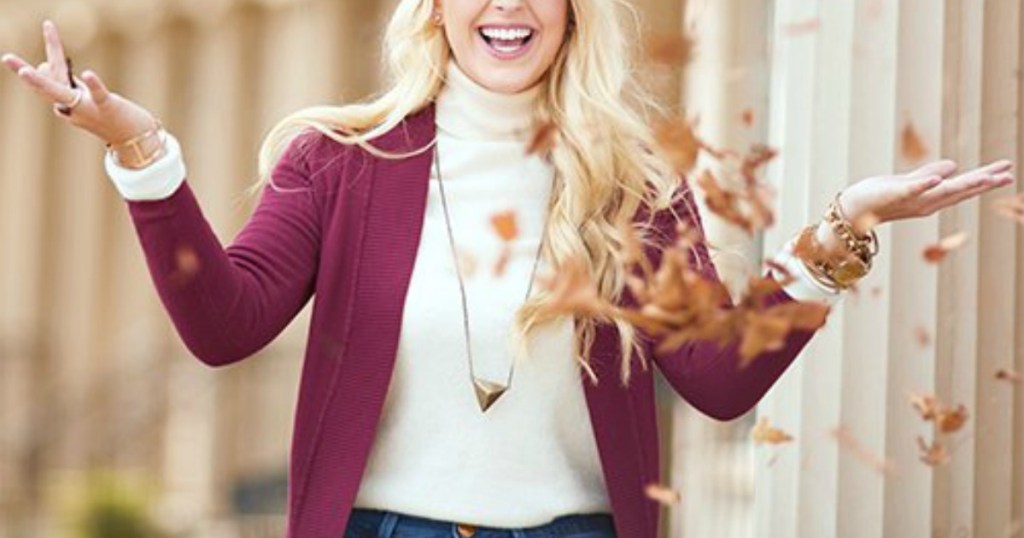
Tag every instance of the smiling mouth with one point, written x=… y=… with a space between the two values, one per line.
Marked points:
x=506 y=40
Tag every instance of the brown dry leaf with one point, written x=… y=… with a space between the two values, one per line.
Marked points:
x=951 y=420
x=504 y=224
x=1009 y=375
x=543 y=140
x=764 y=433
x=501 y=264
x=912 y=145
x=662 y=494
x=573 y=291
x=186 y=266
x=749 y=205
x=763 y=333
x=937 y=252
x=848 y=441
x=933 y=454
x=672 y=50
x=948 y=419
x=926 y=405
x=923 y=337
x=1011 y=207
x=747 y=117
x=677 y=139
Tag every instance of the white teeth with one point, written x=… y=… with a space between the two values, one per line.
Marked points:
x=506 y=34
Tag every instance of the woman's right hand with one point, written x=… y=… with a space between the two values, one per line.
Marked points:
x=105 y=114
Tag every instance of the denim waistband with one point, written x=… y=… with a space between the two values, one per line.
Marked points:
x=386 y=522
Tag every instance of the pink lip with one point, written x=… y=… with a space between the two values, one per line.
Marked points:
x=503 y=55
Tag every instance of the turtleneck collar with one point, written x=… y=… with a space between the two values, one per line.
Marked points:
x=467 y=110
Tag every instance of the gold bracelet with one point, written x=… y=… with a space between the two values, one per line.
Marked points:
x=135 y=145
x=864 y=246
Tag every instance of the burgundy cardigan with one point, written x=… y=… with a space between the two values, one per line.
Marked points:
x=343 y=227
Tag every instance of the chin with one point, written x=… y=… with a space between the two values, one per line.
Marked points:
x=508 y=84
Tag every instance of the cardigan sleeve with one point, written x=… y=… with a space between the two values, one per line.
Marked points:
x=703 y=372
x=226 y=303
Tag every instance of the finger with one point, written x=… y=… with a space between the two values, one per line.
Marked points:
x=943 y=168
x=13 y=62
x=923 y=185
x=970 y=179
x=47 y=87
x=988 y=184
x=55 y=52
x=97 y=88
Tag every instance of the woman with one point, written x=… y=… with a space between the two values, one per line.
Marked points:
x=361 y=209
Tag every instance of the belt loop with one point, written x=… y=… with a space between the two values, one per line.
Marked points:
x=388 y=525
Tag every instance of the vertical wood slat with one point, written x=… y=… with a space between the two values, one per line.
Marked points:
x=993 y=423
x=776 y=503
x=953 y=507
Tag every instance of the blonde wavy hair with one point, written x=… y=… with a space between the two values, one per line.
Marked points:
x=605 y=159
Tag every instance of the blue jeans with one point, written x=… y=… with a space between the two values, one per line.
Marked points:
x=366 y=523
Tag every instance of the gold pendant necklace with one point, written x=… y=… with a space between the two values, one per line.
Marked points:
x=487 y=392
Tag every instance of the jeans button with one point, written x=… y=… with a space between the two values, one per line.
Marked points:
x=465 y=531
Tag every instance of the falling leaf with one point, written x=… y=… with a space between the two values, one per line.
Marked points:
x=933 y=454
x=671 y=50
x=186 y=266
x=747 y=117
x=922 y=336
x=763 y=433
x=948 y=419
x=804 y=27
x=677 y=139
x=938 y=252
x=504 y=224
x=1011 y=207
x=912 y=145
x=501 y=264
x=1011 y=376
x=662 y=494
x=543 y=140
x=925 y=405
x=847 y=441
x=573 y=291
x=951 y=420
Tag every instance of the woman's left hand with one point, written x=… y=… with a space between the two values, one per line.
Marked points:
x=922 y=192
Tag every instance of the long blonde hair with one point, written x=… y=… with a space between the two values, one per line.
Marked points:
x=605 y=162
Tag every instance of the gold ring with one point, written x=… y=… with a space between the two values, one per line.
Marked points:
x=67 y=108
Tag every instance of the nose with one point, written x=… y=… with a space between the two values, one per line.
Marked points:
x=508 y=5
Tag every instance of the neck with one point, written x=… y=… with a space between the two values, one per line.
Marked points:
x=468 y=110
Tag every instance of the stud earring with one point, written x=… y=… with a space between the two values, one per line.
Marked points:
x=437 y=18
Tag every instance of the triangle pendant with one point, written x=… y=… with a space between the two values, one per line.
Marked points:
x=487 y=392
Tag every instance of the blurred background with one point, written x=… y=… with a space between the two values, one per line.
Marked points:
x=109 y=428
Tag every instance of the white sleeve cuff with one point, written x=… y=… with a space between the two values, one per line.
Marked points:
x=804 y=287
x=157 y=181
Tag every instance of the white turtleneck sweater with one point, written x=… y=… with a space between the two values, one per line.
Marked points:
x=532 y=456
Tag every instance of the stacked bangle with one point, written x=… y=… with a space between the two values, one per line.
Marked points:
x=837 y=271
x=135 y=145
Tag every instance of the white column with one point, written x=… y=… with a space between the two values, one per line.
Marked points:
x=843 y=95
